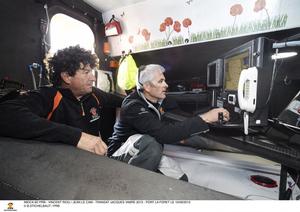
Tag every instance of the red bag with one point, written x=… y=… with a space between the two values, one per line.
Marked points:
x=113 y=27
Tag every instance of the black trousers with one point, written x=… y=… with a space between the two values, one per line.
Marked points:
x=145 y=152
x=140 y=150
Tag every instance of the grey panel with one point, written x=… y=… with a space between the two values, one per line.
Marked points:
x=36 y=170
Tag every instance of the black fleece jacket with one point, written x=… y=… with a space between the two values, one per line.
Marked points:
x=139 y=116
x=26 y=116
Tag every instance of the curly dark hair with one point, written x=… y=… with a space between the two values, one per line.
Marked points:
x=68 y=60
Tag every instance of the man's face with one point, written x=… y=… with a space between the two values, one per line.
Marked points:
x=82 y=82
x=157 y=88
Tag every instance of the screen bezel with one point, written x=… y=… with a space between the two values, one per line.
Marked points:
x=247 y=47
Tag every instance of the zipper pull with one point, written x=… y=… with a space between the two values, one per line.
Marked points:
x=83 y=113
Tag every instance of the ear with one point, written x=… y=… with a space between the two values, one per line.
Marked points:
x=146 y=87
x=66 y=78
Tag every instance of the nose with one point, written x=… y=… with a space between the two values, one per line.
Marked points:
x=92 y=77
x=166 y=85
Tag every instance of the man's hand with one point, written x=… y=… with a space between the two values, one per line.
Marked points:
x=212 y=115
x=92 y=143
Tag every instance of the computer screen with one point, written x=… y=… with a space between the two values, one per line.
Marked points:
x=233 y=67
x=215 y=73
x=212 y=74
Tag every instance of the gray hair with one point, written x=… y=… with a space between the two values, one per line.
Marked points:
x=147 y=73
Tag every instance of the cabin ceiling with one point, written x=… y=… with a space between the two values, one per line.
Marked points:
x=106 y=5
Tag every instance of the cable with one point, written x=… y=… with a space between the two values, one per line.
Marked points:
x=290 y=128
x=47 y=15
x=296 y=181
x=289 y=191
x=33 y=77
x=36 y=66
x=47 y=45
x=272 y=79
x=274 y=75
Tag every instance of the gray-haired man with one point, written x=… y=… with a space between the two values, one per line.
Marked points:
x=140 y=133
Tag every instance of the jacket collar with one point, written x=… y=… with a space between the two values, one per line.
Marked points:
x=149 y=104
x=69 y=94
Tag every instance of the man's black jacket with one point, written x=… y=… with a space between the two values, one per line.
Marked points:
x=26 y=116
x=139 y=116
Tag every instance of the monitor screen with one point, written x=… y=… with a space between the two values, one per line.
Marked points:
x=233 y=67
x=215 y=73
x=212 y=74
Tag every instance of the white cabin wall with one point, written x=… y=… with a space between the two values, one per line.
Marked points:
x=210 y=19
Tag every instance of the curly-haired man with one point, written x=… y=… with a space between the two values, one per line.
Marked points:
x=67 y=112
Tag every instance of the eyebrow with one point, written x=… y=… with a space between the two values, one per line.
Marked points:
x=85 y=68
x=83 y=71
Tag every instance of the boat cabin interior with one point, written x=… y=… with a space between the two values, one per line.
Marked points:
x=215 y=54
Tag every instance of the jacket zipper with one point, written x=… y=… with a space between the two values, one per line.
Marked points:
x=83 y=113
x=150 y=105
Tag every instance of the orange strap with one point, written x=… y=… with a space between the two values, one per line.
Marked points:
x=56 y=102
